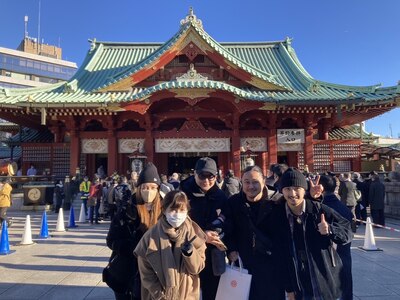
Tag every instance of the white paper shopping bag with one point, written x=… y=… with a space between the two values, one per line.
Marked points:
x=234 y=284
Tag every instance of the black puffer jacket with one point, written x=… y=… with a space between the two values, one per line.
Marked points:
x=123 y=236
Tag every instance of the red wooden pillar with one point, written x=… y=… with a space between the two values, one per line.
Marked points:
x=148 y=139
x=308 y=148
x=149 y=145
x=272 y=146
x=236 y=146
x=264 y=162
x=112 y=151
x=326 y=127
x=74 y=151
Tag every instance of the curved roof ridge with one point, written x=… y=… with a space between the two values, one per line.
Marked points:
x=9 y=92
x=115 y=43
x=238 y=61
x=254 y=43
x=206 y=84
x=363 y=89
x=215 y=45
x=139 y=65
x=92 y=57
x=295 y=65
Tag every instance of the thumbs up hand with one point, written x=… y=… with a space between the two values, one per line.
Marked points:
x=323 y=226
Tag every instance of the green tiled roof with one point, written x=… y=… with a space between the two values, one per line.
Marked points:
x=274 y=62
x=350 y=132
x=29 y=135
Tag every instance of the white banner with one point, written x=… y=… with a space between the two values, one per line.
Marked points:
x=130 y=145
x=93 y=146
x=192 y=145
x=290 y=139
x=255 y=144
x=290 y=136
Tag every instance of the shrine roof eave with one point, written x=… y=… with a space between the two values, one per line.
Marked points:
x=81 y=99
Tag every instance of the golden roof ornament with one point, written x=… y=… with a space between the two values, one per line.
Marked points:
x=192 y=75
x=191 y=17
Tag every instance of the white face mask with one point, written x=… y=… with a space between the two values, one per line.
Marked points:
x=176 y=219
x=148 y=196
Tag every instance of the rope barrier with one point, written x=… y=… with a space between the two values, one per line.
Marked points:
x=380 y=226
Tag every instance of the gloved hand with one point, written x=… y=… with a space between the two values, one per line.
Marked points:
x=187 y=246
x=217 y=225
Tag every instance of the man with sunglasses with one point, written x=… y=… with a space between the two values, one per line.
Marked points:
x=208 y=209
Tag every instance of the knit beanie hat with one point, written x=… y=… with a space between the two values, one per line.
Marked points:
x=149 y=175
x=293 y=177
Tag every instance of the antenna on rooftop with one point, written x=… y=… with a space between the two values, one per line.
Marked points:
x=26 y=26
x=38 y=38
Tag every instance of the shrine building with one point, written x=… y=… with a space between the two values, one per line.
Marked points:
x=173 y=102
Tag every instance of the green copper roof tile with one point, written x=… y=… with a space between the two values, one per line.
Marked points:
x=275 y=62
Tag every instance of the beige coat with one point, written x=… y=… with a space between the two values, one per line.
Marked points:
x=152 y=267
x=5 y=195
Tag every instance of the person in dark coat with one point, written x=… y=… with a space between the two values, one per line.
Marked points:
x=208 y=209
x=275 y=173
x=165 y=186
x=344 y=250
x=361 y=208
x=307 y=231
x=347 y=190
x=250 y=236
x=59 y=192
x=135 y=215
x=231 y=185
x=174 y=180
x=377 y=200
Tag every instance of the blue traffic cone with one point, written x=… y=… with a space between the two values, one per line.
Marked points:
x=71 y=223
x=4 y=244
x=44 y=229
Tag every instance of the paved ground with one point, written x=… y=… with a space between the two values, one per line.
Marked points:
x=69 y=264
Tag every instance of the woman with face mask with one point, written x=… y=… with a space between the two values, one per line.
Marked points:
x=135 y=215
x=171 y=254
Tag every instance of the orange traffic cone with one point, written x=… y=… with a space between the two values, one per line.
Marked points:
x=369 y=240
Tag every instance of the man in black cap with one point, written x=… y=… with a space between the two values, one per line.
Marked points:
x=208 y=205
x=305 y=231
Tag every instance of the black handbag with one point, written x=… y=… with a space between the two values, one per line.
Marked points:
x=119 y=273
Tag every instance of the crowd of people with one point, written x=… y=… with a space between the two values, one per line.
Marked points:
x=171 y=237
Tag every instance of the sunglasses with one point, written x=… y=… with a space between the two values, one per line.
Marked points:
x=204 y=176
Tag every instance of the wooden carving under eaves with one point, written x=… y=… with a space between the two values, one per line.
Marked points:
x=192 y=96
x=140 y=107
x=191 y=125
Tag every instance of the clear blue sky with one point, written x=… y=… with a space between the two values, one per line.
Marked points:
x=353 y=42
